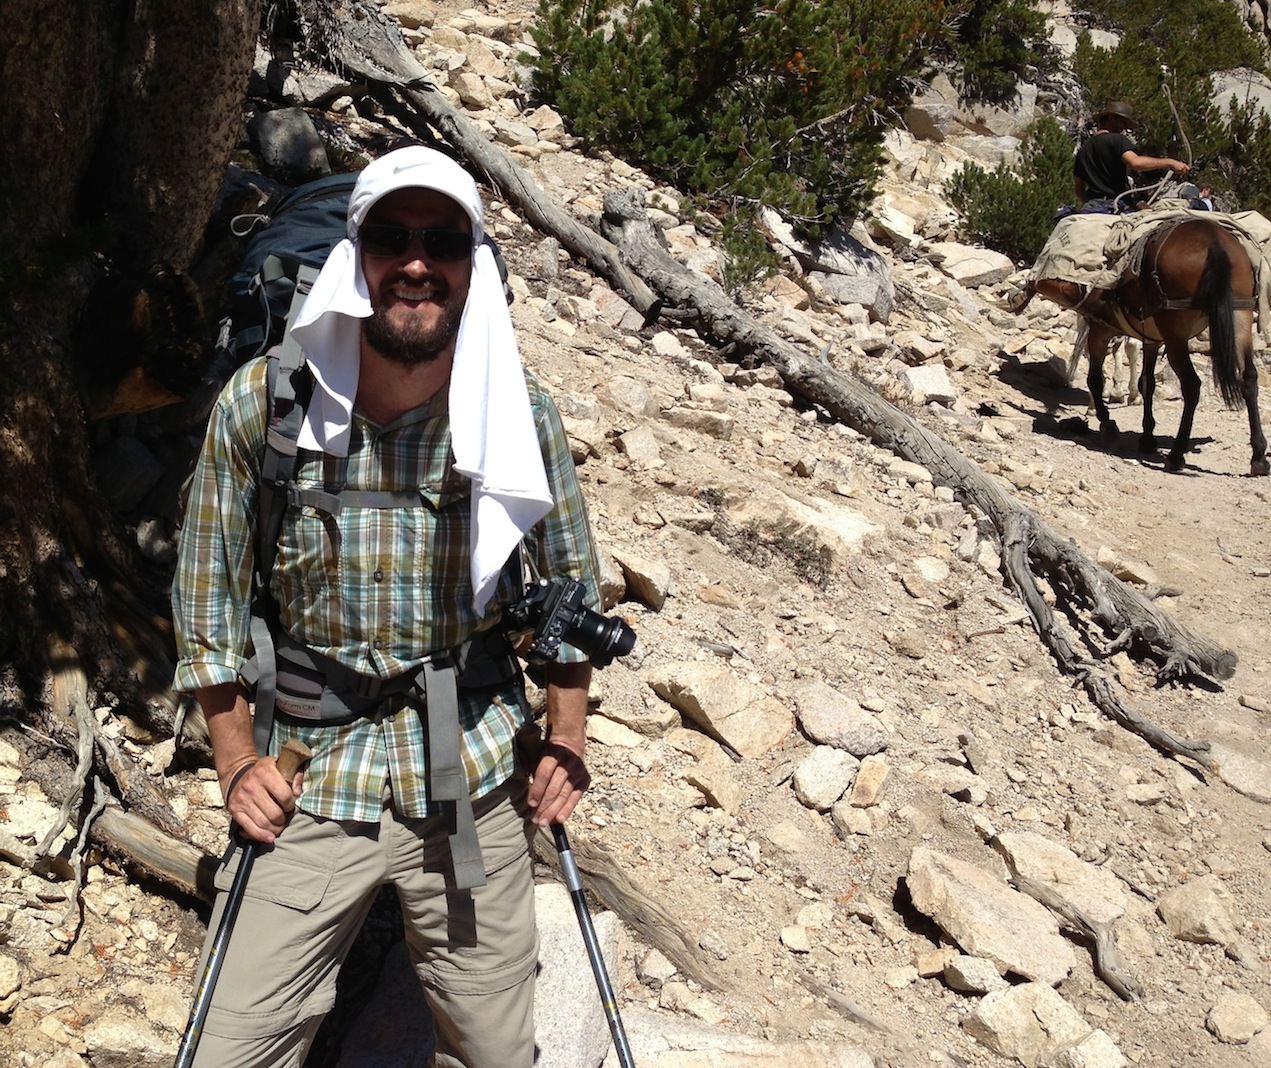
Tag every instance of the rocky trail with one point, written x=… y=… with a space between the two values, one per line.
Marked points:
x=839 y=755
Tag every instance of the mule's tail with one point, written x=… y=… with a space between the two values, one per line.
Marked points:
x=1080 y=347
x=1220 y=309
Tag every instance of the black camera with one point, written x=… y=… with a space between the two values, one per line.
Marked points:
x=554 y=611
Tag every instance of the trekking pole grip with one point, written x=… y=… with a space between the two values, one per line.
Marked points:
x=294 y=756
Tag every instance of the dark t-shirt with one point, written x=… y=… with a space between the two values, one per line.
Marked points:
x=1100 y=166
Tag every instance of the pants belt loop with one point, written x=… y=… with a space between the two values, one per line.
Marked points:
x=447 y=781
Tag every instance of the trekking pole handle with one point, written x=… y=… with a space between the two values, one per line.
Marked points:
x=294 y=756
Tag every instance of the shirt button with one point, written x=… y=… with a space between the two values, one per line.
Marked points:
x=378 y=643
x=378 y=576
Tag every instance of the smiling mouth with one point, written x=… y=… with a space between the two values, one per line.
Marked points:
x=416 y=294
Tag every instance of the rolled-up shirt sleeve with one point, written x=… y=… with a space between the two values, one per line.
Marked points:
x=211 y=590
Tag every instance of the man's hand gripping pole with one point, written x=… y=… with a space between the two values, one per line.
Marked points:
x=293 y=757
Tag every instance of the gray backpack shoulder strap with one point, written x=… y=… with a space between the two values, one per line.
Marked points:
x=288 y=390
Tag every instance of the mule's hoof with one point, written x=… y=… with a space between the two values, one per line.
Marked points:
x=1174 y=462
x=1147 y=443
x=1109 y=431
x=1260 y=466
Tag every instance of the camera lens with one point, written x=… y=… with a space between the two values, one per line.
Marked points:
x=600 y=637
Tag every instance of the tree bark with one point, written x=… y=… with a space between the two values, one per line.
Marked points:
x=118 y=121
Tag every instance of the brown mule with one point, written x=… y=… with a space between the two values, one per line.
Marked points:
x=1194 y=274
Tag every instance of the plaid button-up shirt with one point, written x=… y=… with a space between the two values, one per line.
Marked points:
x=377 y=590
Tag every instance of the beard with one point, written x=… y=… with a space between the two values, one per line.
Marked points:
x=409 y=340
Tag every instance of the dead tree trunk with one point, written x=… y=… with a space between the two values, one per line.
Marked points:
x=1031 y=549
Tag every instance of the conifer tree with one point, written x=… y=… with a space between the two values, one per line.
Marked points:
x=1013 y=210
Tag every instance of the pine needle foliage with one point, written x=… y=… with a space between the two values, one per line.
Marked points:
x=743 y=102
x=1013 y=210
x=995 y=42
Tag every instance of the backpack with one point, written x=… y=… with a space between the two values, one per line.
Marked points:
x=298 y=229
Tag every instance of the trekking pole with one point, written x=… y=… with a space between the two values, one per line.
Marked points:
x=293 y=757
x=575 y=885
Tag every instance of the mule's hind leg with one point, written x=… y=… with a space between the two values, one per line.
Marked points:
x=1147 y=389
x=1189 y=382
x=1115 y=393
x=1096 y=352
x=1258 y=464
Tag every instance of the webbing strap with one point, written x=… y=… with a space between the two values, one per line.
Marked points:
x=278 y=469
x=334 y=503
x=447 y=781
x=266 y=671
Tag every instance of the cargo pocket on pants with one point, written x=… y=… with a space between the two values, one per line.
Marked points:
x=293 y=881
x=279 y=966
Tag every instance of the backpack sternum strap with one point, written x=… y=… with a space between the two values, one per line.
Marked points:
x=334 y=503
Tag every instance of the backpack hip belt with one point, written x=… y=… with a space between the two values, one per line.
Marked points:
x=316 y=689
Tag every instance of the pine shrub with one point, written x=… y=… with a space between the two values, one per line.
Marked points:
x=1013 y=211
x=782 y=103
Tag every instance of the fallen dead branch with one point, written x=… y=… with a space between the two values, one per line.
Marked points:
x=1031 y=550
x=162 y=856
x=640 y=911
x=1102 y=937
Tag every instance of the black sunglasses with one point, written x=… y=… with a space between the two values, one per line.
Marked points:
x=389 y=239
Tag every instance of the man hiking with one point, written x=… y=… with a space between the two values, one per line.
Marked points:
x=430 y=462
x=1101 y=169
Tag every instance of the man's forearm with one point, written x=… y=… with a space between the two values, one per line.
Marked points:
x=229 y=726
x=560 y=777
x=259 y=800
x=1154 y=163
x=567 y=689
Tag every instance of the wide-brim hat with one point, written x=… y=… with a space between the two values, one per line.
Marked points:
x=1118 y=108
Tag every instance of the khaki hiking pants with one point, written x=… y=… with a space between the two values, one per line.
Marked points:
x=475 y=952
